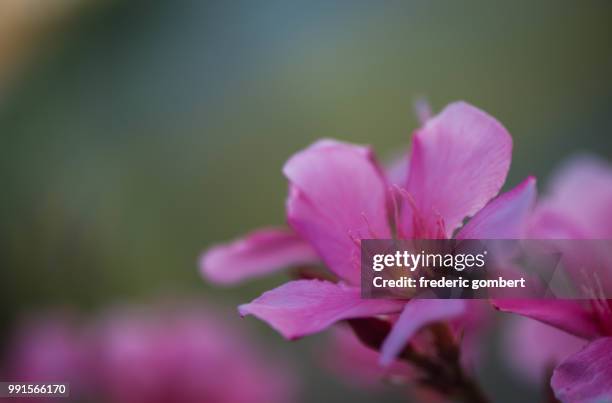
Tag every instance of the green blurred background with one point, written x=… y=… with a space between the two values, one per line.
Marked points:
x=134 y=134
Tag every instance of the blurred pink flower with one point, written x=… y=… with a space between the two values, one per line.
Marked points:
x=47 y=348
x=159 y=354
x=183 y=355
x=578 y=207
x=527 y=353
x=339 y=194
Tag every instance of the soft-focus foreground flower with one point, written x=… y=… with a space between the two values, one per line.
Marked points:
x=339 y=194
x=47 y=348
x=578 y=207
x=164 y=354
x=183 y=356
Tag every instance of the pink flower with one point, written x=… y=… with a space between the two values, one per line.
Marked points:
x=47 y=348
x=578 y=207
x=339 y=194
x=161 y=354
x=531 y=358
x=183 y=354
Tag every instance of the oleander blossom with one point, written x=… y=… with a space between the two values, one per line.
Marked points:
x=577 y=207
x=164 y=353
x=339 y=195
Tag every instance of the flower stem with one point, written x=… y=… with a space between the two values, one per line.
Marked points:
x=441 y=372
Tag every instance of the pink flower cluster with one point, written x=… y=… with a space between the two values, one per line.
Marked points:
x=339 y=194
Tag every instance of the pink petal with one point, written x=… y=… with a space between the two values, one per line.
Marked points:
x=579 y=202
x=587 y=375
x=505 y=217
x=533 y=348
x=416 y=314
x=337 y=197
x=546 y=223
x=567 y=315
x=459 y=162
x=302 y=307
x=578 y=207
x=259 y=253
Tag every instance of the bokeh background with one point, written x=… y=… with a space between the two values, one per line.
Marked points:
x=133 y=134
